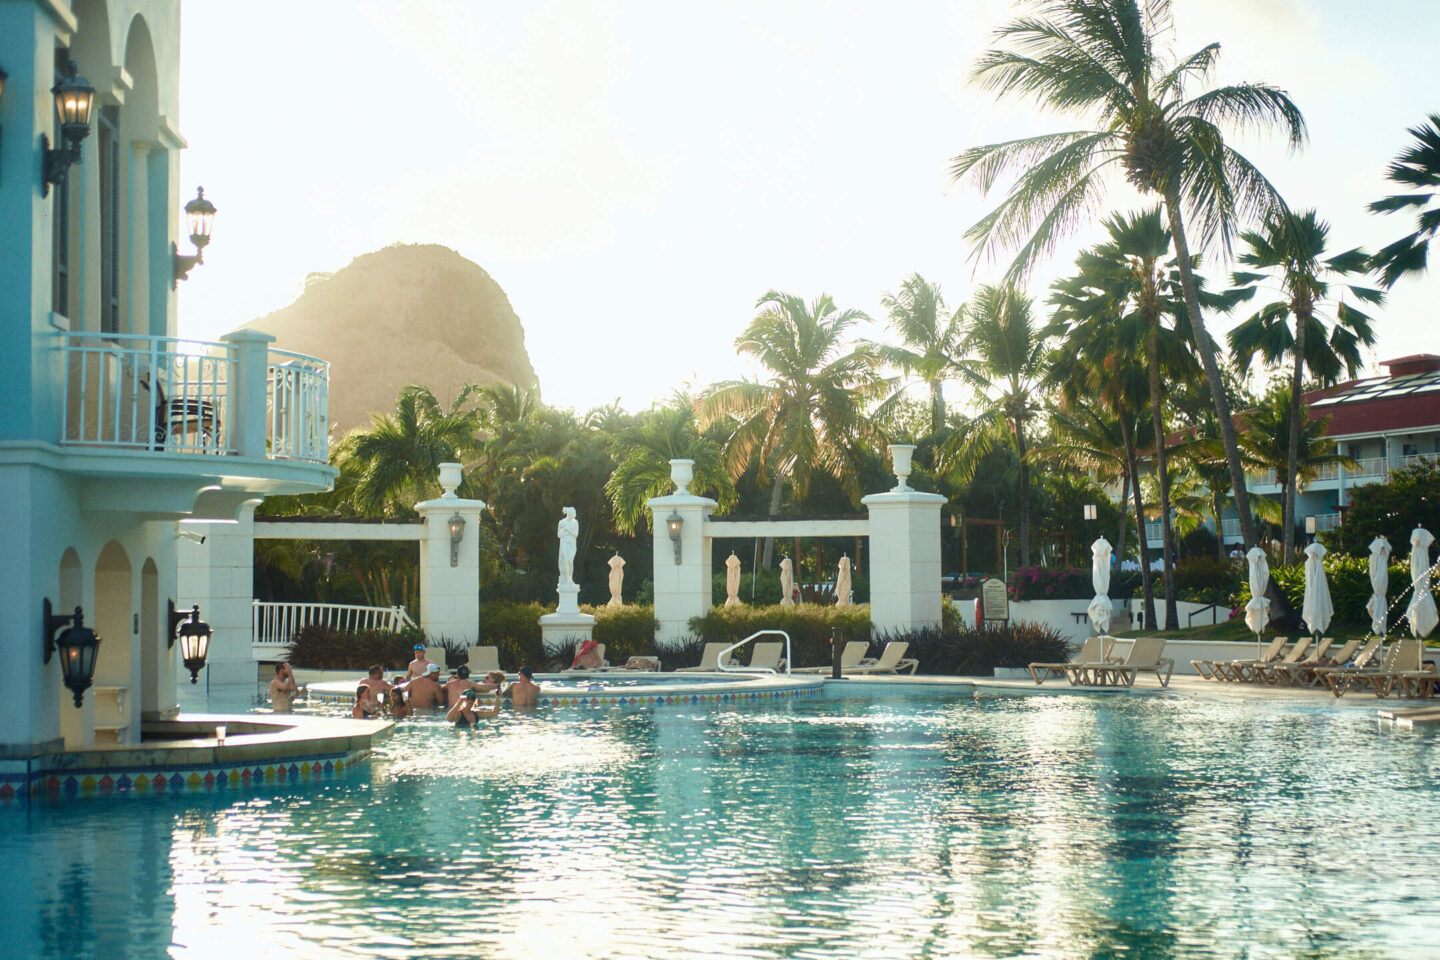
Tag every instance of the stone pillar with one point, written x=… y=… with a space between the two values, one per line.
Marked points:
x=450 y=567
x=219 y=575
x=904 y=553
x=247 y=389
x=682 y=579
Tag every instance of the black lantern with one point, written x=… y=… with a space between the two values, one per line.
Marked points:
x=457 y=533
x=194 y=643
x=77 y=645
x=200 y=216
x=675 y=523
x=74 y=103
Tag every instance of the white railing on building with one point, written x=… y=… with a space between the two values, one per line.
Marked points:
x=1230 y=529
x=1326 y=471
x=1326 y=521
x=1154 y=534
x=277 y=623
x=1266 y=478
x=1411 y=459
x=1372 y=467
x=169 y=395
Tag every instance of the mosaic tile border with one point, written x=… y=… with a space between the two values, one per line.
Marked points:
x=168 y=779
x=634 y=700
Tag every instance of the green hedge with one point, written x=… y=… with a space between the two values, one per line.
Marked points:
x=324 y=648
x=809 y=625
x=1349 y=579
x=515 y=628
x=963 y=651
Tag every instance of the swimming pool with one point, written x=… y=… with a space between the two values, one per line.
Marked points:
x=1067 y=827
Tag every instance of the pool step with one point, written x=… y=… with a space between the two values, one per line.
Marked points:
x=1412 y=716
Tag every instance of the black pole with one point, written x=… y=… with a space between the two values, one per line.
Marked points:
x=835 y=641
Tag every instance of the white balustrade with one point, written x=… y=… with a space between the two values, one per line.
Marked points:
x=1326 y=521
x=1230 y=529
x=278 y=623
x=168 y=395
x=1411 y=459
x=1372 y=467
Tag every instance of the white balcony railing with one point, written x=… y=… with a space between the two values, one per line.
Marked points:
x=1154 y=533
x=1326 y=521
x=1230 y=529
x=167 y=395
x=1414 y=458
x=1373 y=467
x=277 y=623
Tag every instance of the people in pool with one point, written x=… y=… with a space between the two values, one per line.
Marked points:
x=524 y=692
x=376 y=681
x=425 y=691
x=466 y=711
x=366 y=705
x=420 y=665
x=395 y=704
x=461 y=682
x=283 y=689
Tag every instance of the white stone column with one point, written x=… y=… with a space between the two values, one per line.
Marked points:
x=450 y=568
x=682 y=580
x=247 y=390
x=904 y=553
x=219 y=575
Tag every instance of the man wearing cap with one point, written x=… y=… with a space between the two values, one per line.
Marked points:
x=425 y=690
x=464 y=713
x=524 y=692
x=420 y=665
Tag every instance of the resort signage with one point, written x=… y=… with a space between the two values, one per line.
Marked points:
x=994 y=603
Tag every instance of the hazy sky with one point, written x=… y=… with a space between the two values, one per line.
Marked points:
x=636 y=174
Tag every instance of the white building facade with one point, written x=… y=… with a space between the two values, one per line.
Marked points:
x=113 y=428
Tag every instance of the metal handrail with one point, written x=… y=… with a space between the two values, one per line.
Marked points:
x=1190 y=619
x=724 y=667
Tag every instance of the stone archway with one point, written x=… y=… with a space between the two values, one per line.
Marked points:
x=110 y=703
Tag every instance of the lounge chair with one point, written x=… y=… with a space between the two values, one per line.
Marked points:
x=709 y=660
x=1246 y=670
x=1221 y=669
x=1272 y=673
x=1408 y=676
x=1303 y=674
x=851 y=656
x=437 y=655
x=891 y=660
x=767 y=655
x=1338 y=679
x=1093 y=650
x=483 y=660
x=1144 y=656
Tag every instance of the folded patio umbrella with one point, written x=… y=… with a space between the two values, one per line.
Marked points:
x=1257 y=611
x=1100 y=608
x=1379 y=585
x=1421 y=611
x=1317 y=610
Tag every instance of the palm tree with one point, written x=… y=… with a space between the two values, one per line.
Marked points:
x=810 y=414
x=402 y=451
x=642 y=455
x=930 y=342
x=1416 y=168
x=1292 y=248
x=1267 y=442
x=1102 y=59
x=1088 y=435
x=1006 y=364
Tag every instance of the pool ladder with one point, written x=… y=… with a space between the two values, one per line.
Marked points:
x=722 y=661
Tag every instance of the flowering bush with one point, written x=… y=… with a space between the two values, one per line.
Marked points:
x=1066 y=583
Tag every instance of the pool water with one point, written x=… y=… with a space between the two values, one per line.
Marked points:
x=1065 y=827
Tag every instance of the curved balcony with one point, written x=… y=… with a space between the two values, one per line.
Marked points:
x=166 y=396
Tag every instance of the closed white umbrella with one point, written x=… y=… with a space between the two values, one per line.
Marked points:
x=1100 y=608
x=1257 y=611
x=1421 y=611
x=1378 y=608
x=1317 y=610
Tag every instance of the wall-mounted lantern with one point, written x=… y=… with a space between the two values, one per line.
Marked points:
x=194 y=639
x=77 y=646
x=675 y=523
x=200 y=216
x=457 y=533
x=74 y=103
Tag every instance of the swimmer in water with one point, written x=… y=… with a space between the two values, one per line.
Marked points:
x=465 y=712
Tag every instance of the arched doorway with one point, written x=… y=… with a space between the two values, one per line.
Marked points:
x=110 y=703
x=153 y=649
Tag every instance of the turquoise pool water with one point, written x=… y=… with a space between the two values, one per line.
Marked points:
x=1065 y=827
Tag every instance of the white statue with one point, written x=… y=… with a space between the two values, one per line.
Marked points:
x=787 y=583
x=732 y=580
x=617 y=578
x=842 y=582
x=568 y=530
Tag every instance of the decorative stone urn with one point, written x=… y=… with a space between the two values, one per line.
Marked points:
x=900 y=454
x=682 y=472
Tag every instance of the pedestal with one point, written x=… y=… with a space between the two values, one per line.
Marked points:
x=567 y=624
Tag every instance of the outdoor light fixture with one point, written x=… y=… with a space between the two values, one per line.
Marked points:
x=77 y=645
x=200 y=215
x=74 y=102
x=457 y=533
x=1310 y=526
x=194 y=640
x=675 y=522
x=1091 y=511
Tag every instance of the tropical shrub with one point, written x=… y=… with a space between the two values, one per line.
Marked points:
x=1209 y=580
x=319 y=647
x=966 y=651
x=1410 y=498
x=1066 y=583
x=809 y=625
x=515 y=629
x=1349 y=579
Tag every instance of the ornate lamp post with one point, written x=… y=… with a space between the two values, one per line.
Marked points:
x=74 y=103
x=77 y=646
x=200 y=215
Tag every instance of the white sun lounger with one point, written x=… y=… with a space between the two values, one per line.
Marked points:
x=891 y=660
x=709 y=660
x=851 y=656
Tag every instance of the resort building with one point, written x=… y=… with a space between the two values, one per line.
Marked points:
x=114 y=428
x=1383 y=423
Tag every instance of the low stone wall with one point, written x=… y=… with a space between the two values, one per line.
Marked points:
x=1068 y=617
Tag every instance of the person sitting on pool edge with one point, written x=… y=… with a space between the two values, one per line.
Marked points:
x=420 y=665
x=465 y=712
x=587 y=657
x=426 y=691
x=524 y=692
x=366 y=706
